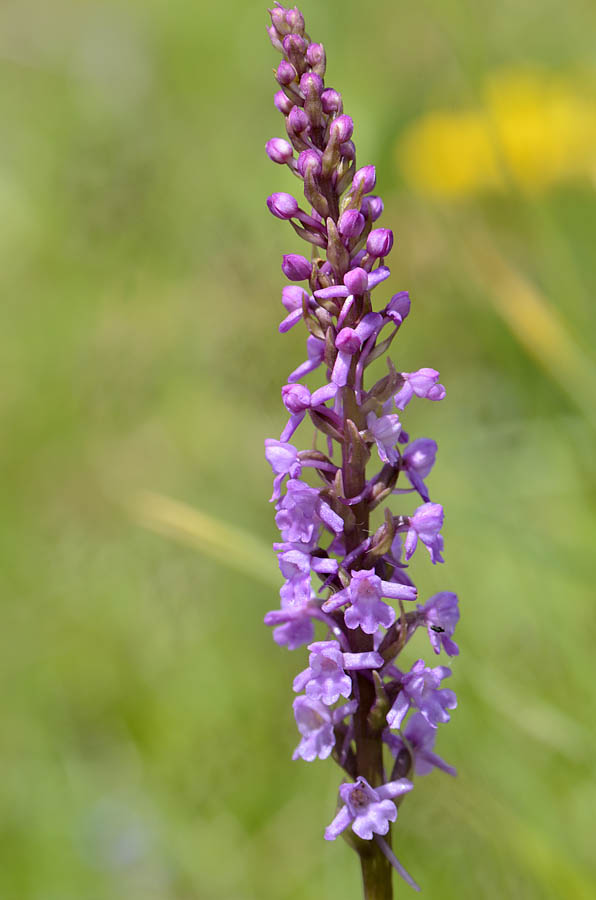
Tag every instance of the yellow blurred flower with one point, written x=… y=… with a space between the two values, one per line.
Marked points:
x=534 y=129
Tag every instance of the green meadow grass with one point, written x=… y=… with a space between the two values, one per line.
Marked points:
x=147 y=731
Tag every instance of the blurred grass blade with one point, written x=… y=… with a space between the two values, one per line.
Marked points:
x=534 y=322
x=228 y=544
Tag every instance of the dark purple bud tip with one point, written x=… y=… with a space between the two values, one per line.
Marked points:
x=342 y=128
x=279 y=151
x=372 y=207
x=283 y=206
x=294 y=45
x=296 y=267
x=380 y=242
x=315 y=55
x=286 y=73
x=365 y=179
x=310 y=159
x=296 y=397
x=356 y=281
x=283 y=103
x=331 y=101
x=311 y=83
x=298 y=120
x=348 y=341
x=351 y=224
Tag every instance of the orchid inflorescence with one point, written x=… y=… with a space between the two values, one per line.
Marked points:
x=353 y=702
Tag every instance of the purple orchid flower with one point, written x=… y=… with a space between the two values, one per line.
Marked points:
x=420 y=688
x=344 y=566
x=315 y=723
x=368 y=810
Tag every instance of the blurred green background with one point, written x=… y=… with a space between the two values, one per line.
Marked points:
x=147 y=731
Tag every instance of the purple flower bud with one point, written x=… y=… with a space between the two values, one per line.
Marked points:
x=295 y=20
x=342 y=128
x=348 y=341
x=379 y=242
x=296 y=267
x=279 y=151
x=286 y=73
x=283 y=206
x=296 y=397
x=311 y=83
x=348 y=150
x=298 y=120
x=351 y=224
x=278 y=19
x=372 y=207
x=332 y=102
x=310 y=159
x=364 y=180
x=315 y=57
x=283 y=103
x=294 y=45
x=292 y=297
x=356 y=281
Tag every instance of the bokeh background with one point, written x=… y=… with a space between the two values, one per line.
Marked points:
x=147 y=733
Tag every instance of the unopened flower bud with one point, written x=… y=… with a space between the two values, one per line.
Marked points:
x=332 y=102
x=292 y=297
x=348 y=341
x=278 y=19
x=315 y=57
x=283 y=206
x=296 y=267
x=380 y=242
x=295 y=20
x=295 y=397
x=348 y=150
x=286 y=73
x=372 y=207
x=342 y=128
x=294 y=45
x=297 y=120
x=279 y=150
x=364 y=180
x=311 y=83
x=310 y=159
x=356 y=281
x=351 y=224
x=274 y=38
x=283 y=103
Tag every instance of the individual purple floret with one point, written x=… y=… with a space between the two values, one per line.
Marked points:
x=426 y=524
x=368 y=810
x=325 y=678
x=420 y=688
x=420 y=737
x=366 y=609
x=417 y=461
x=422 y=383
x=345 y=540
x=315 y=723
x=440 y=614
